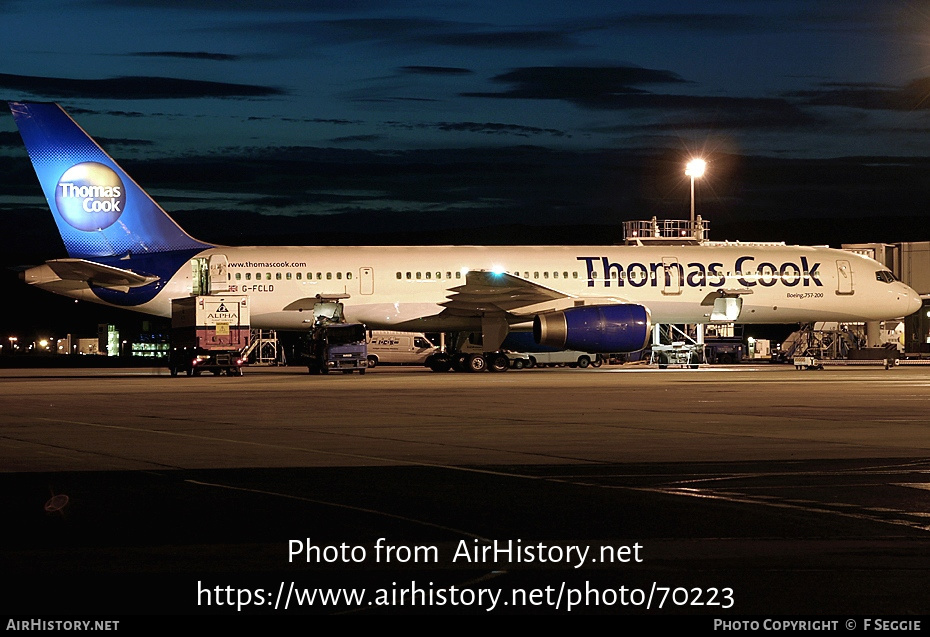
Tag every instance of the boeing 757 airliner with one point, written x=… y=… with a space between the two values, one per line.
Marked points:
x=124 y=250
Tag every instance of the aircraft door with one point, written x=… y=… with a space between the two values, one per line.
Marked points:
x=200 y=277
x=844 y=280
x=366 y=277
x=219 y=277
x=673 y=274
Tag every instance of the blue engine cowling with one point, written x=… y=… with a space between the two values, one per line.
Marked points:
x=595 y=328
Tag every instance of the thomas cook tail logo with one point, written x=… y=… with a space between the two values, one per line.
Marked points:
x=90 y=196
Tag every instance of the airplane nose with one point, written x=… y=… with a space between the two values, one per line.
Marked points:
x=914 y=302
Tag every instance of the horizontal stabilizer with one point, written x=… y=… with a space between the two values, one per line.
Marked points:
x=99 y=275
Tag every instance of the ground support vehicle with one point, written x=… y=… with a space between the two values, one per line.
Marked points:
x=209 y=333
x=399 y=348
x=339 y=347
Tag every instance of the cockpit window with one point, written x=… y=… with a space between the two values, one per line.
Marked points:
x=885 y=276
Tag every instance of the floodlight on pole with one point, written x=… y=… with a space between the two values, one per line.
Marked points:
x=694 y=169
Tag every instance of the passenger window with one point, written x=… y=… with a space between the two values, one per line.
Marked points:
x=298 y=276
x=565 y=275
x=448 y=275
x=348 y=275
x=329 y=276
x=339 y=275
x=535 y=275
x=458 y=275
x=288 y=276
x=267 y=276
x=419 y=275
x=238 y=276
x=409 y=276
x=428 y=274
x=277 y=276
x=248 y=276
x=398 y=276
x=574 y=275
x=545 y=275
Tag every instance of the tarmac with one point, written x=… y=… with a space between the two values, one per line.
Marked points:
x=748 y=490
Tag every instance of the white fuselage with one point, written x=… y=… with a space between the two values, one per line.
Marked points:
x=389 y=287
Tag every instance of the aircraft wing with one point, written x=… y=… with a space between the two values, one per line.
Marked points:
x=99 y=275
x=488 y=292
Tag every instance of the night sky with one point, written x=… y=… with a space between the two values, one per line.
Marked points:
x=379 y=122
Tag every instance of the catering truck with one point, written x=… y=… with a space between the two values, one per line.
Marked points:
x=209 y=333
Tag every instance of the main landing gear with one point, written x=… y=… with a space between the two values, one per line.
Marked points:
x=493 y=361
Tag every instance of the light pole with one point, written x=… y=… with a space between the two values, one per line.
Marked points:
x=694 y=169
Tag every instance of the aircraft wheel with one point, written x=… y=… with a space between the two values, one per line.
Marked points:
x=476 y=363
x=439 y=363
x=498 y=362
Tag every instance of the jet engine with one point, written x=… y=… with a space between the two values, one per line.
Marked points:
x=595 y=328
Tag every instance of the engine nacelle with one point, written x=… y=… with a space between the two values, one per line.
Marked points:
x=595 y=328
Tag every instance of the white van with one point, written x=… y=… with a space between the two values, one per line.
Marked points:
x=564 y=357
x=399 y=348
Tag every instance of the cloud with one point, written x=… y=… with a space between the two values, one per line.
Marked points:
x=418 y=32
x=592 y=87
x=913 y=96
x=701 y=22
x=356 y=138
x=527 y=39
x=620 y=88
x=188 y=55
x=131 y=87
x=10 y=140
x=262 y=6
x=490 y=128
x=435 y=70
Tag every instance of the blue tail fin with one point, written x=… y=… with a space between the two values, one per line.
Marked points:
x=99 y=209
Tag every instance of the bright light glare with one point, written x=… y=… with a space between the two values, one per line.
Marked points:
x=695 y=168
x=498 y=269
